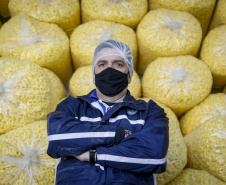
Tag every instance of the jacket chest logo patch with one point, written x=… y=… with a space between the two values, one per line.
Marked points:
x=131 y=111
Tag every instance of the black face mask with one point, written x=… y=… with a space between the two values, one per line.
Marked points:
x=111 y=82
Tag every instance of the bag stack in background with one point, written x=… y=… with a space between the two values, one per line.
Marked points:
x=43 y=43
x=23 y=156
x=66 y=14
x=179 y=50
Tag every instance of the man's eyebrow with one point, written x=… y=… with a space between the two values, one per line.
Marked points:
x=118 y=61
x=102 y=61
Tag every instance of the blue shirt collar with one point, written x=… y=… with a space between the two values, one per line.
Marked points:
x=93 y=96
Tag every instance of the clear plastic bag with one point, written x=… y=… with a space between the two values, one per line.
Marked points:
x=26 y=93
x=165 y=33
x=65 y=14
x=127 y=12
x=179 y=82
x=197 y=177
x=201 y=10
x=43 y=43
x=23 y=158
x=213 y=105
x=206 y=147
x=213 y=53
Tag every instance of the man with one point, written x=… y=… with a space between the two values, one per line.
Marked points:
x=107 y=137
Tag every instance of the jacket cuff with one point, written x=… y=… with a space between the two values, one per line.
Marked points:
x=119 y=135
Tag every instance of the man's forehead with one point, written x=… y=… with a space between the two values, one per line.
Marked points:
x=107 y=51
x=111 y=58
x=111 y=54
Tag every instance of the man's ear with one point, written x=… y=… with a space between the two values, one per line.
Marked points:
x=93 y=79
x=129 y=79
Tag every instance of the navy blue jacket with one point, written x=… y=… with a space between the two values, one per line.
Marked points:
x=79 y=124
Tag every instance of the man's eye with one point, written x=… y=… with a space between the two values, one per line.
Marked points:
x=119 y=65
x=101 y=65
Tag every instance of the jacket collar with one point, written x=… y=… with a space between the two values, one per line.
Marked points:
x=128 y=101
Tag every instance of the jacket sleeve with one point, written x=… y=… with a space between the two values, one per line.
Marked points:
x=68 y=136
x=143 y=151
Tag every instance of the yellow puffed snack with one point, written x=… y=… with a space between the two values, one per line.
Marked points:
x=135 y=86
x=164 y=33
x=179 y=82
x=213 y=53
x=26 y=93
x=23 y=157
x=88 y=36
x=81 y=82
x=4 y=11
x=177 y=152
x=124 y=12
x=213 y=105
x=191 y=176
x=206 y=147
x=201 y=10
x=43 y=43
x=57 y=85
x=219 y=16
x=65 y=14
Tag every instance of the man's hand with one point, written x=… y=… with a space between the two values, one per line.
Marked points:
x=127 y=133
x=83 y=157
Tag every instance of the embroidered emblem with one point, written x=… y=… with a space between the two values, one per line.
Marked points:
x=131 y=111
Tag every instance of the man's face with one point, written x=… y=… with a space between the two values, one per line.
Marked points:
x=113 y=61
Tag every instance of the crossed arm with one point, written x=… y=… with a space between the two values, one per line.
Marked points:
x=143 y=151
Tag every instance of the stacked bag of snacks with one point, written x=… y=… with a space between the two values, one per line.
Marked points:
x=46 y=50
x=201 y=10
x=43 y=43
x=28 y=93
x=35 y=68
x=23 y=156
x=66 y=14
